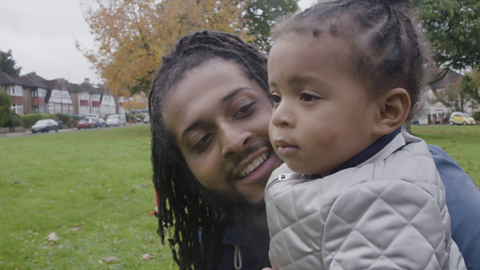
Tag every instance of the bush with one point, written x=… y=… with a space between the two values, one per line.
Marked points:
x=65 y=118
x=5 y=110
x=16 y=121
x=476 y=116
x=30 y=119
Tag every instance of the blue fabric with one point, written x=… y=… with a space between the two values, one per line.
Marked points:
x=463 y=202
x=369 y=152
x=254 y=253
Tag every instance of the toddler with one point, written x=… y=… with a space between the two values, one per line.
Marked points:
x=355 y=192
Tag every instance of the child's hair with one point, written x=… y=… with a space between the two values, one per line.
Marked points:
x=387 y=51
x=180 y=195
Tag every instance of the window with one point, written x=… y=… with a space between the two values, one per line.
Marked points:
x=15 y=90
x=17 y=108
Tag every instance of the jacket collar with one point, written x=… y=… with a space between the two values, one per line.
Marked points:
x=379 y=150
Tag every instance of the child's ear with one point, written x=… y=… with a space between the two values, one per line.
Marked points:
x=393 y=110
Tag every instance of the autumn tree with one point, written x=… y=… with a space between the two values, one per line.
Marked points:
x=8 y=65
x=471 y=88
x=260 y=16
x=132 y=35
x=453 y=29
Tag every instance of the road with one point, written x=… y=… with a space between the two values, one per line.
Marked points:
x=29 y=133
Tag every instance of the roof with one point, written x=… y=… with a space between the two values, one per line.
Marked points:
x=449 y=79
x=84 y=87
x=33 y=80
x=8 y=80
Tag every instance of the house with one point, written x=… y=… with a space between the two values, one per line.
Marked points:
x=34 y=93
x=107 y=104
x=435 y=110
x=13 y=87
x=58 y=98
x=87 y=99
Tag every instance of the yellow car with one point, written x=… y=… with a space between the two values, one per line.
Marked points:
x=459 y=118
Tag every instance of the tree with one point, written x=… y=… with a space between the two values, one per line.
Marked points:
x=453 y=29
x=451 y=97
x=260 y=16
x=5 y=108
x=132 y=35
x=471 y=88
x=7 y=64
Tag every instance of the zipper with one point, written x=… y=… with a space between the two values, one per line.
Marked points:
x=290 y=176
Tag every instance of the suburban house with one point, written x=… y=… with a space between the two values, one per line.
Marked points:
x=91 y=100
x=34 y=93
x=107 y=104
x=58 y=99
x=436 y=110
x=13 y=87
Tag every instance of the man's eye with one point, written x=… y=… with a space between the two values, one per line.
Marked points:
x=308 y=97
x=202 y=144
x=244 y=111
x=276 y=98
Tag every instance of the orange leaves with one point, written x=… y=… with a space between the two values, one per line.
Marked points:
x=131 y=36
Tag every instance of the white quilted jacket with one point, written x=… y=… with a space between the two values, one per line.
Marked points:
x=387 y=213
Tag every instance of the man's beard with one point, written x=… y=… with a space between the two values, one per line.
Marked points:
x=248 y=215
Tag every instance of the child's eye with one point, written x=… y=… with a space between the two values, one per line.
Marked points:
x=276 y=98
x=202 y=144
x=245 y=111
x=308 y=97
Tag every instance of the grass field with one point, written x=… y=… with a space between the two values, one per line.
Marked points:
x=462 y=143
x=93 y=189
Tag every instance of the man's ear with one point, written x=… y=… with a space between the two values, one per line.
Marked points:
x=393 y=109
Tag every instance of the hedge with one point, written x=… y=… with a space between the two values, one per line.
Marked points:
x=65 y=118
x=30 y=119
x=476 y=116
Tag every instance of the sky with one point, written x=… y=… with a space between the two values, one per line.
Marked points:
x=42 y=36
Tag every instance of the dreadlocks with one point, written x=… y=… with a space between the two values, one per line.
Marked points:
x=198 y=224
x=387 y=50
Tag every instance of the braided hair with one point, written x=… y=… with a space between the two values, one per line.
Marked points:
x=195 y=223
x=387 y=51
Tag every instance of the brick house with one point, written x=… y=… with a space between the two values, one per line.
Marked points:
x=13 y=87
x=34 y=93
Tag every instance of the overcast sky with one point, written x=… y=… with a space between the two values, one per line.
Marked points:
x=42 y=35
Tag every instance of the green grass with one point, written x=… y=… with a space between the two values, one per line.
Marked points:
x=98 y=181
x=462 y=143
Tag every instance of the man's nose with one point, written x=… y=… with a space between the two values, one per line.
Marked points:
x=234 y=139
x=283 y=116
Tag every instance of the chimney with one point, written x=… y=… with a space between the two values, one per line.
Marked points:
x=87 y=81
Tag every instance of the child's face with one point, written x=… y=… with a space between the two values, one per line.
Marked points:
x=322 y=116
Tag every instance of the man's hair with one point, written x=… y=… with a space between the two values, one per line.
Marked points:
x=387 y=51
x=185 y=207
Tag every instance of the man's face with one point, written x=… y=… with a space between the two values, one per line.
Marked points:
x=219 y=119
x=323 y=116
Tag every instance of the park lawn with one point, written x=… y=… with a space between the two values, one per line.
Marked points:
x=462 y=143
x=92 y=188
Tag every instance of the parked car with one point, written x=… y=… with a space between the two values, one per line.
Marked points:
x=86 y=123
x=116 y=120
x=460 y=118
x=44 y=125
x=414 y=121
x=99 y=122
x=147 y=119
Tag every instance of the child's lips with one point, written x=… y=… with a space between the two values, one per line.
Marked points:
x=285 y=148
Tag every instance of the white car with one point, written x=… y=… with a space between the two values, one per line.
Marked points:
x=116 y=120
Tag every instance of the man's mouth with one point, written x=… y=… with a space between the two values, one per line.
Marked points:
x=253 y=165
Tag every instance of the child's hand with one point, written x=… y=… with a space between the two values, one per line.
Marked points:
x=267 y=268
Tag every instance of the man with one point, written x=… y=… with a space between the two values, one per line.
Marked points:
x=210 y=108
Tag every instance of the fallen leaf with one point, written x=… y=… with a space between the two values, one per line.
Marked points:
x=111 y=259
x=52 y=237
x=13 y=196
x=100 y=262
x=75 y=229
x=147 y=256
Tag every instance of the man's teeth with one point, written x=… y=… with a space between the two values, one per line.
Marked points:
x=252 y=166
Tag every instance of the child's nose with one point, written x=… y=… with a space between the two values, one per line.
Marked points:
x=283 y=116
